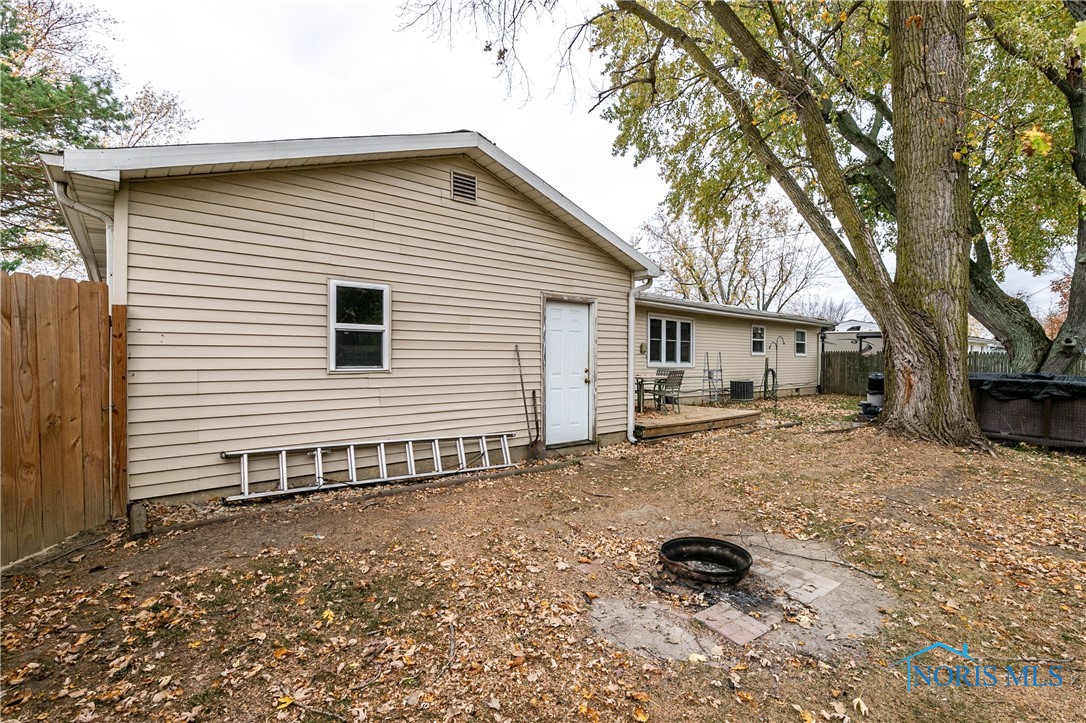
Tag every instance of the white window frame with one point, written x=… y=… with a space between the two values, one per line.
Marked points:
x=663 y=341
x=752 y=340
x=796 y=341
x=385 y=327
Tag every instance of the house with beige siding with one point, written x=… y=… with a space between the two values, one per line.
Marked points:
x=734 y=343
x=302 y=292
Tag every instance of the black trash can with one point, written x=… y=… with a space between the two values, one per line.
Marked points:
x=876 y=396
x=876 y=383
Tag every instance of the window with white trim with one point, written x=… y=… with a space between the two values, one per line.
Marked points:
x=757 y=340
x=671 y=341
x=801 y=342
x=359 y=328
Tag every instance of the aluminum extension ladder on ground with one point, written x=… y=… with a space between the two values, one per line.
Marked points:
x=354 y=453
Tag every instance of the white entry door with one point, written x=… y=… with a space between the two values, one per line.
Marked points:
x=568 y=372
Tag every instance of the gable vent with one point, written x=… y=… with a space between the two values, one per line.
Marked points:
x=464 y=187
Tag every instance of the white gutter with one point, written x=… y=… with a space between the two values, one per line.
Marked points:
x=634 y=291
x=61 y=190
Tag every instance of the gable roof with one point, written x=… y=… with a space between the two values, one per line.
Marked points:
x=93 y=174
x=667 y=303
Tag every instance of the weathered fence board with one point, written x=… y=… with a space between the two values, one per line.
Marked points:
x=55 y=411
x=118 y=369
x=845 y=372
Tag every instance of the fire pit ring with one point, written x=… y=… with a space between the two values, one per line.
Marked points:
x=705 y=559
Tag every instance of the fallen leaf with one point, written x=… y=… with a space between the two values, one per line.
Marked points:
x=858 y=704
x=804 y=715
x=640 y=714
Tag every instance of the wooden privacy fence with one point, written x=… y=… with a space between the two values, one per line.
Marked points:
x=845 y=372
x=55 y=421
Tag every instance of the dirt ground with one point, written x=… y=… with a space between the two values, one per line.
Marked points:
x=539 y=598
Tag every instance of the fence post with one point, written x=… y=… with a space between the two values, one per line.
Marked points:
x=118 y=321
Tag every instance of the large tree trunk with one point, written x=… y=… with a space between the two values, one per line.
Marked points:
x=1007 y=317
x=927 y=382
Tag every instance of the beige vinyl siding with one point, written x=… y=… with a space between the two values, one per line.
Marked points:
x=731 y=336
x=228 y=305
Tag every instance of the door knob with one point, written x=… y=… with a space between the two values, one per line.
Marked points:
x=587 y=380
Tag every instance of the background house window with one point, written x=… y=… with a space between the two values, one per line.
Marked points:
x=358 y=326
x=671 y=342
x=757 y=340
x=801 y=342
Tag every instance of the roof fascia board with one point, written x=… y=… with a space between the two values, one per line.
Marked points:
x=698 y=308
x=208 y=154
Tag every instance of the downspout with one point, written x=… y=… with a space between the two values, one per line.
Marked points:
x=821 y=356
x=61 y=190
x=634 y=291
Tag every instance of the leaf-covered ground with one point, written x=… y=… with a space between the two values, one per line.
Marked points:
x=473 y=602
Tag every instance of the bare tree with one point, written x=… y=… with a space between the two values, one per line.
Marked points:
x=153 y=118
x=755 y=255
x=835 y=310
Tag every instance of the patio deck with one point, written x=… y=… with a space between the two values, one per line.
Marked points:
x=691 y=419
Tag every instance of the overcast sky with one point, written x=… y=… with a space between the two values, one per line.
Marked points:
x=271 y=70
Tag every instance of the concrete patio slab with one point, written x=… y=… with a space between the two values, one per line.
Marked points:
x=731 y=623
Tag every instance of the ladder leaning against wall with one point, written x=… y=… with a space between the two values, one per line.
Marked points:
x=712 y=380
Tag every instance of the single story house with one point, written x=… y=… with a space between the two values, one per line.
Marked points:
x=730 y=343
x=309 y=291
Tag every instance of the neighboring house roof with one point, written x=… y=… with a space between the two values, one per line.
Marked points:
x=663 y=302
x=840 y=333
x=94 y=174
x=856 y=325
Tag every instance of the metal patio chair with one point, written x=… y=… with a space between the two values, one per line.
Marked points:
x=666 y=391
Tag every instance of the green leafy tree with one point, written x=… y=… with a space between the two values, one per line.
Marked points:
x=1022 y=140
x=1023 y=192
x=45 y=107
x=737 y=96
x=58 y=93
x=1044 y=42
